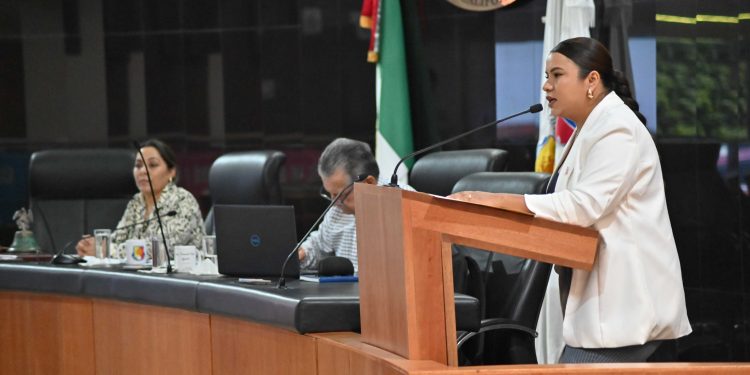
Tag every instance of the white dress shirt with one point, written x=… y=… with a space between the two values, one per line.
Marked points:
x=336 y=236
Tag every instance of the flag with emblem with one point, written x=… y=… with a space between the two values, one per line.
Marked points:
x=564 y=19
x=393 y=137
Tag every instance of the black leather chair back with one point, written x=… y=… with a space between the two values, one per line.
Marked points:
x=77 y=191
x=514 y=288
x=436 y=173
x=504 y=182
x=250 y=177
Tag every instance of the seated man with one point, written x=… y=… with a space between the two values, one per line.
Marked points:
x=340 y=163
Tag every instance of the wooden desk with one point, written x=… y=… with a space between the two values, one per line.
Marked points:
x=48 y=332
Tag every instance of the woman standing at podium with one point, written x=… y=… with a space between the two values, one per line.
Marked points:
x=608 y=178
x=184 y=227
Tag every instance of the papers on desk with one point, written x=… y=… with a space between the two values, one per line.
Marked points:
x=329 y=279
x=205 y=267
x=92 y=261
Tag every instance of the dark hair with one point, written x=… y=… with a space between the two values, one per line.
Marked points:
x=591 y=55
x=354 y=157
x=164 y=151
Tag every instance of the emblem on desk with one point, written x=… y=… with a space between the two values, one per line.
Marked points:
x=135 y=251
x=255 y=240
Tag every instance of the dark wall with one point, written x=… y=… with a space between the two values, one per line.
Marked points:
x=213 y=76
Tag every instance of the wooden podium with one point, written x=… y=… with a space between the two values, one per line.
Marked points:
x=405 y=266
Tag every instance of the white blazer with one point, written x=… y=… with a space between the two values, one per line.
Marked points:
x=611 y=181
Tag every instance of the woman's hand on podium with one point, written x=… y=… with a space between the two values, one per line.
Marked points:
x=505 y=201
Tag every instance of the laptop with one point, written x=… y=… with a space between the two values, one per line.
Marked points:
x=255 y=240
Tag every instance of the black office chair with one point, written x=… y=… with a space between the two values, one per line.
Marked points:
x=73 y=192
x=250 y=177
x=513 y=288
x=436 y=173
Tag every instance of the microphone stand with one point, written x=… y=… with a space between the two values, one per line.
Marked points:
x=62 y=258
x=394 y=177
x=282 y=280
x=59 y=257
x=156 y=209
x=170 y=213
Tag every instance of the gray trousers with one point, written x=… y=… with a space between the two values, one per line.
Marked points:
x=634 y=353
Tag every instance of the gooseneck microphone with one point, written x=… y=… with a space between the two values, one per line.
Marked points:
x=394 y=177
x=282 y=280
x=170 y=213
x=62 y=258
x=59 y=256
x=156 y=208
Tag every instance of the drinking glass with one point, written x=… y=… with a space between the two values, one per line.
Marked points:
x=158 y=253
x=102 y=239
x=209 y=246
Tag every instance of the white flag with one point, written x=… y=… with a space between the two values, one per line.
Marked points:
x=564 y=19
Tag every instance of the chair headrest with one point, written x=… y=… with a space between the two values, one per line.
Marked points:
x=250 y=177
x=436 y=173
x=82 y=173
x=504 y=182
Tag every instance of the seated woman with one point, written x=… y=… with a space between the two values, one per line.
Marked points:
x=184 y=228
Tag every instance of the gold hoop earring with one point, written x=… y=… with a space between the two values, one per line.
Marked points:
x=589 y=94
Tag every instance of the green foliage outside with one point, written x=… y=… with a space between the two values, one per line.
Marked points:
x=702 y=88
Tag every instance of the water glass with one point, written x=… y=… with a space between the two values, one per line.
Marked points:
x=209 y=246
x=158 y=253
x=102 y=238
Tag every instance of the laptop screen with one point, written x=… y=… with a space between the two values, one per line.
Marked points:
x=255 y=240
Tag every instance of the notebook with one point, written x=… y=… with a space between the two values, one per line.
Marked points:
x=255 y=240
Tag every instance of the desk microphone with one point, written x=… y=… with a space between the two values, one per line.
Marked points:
x=394 y=177
x=49 y=232
x=62 y=258
x=335 y=266
x=59 y=256
x=156 y=207
x=282 y=280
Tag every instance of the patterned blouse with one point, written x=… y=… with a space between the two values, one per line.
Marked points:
x=184 y=228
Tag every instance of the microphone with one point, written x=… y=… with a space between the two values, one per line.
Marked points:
x=59 y=256
x=335 y=266
x=170 y=213
x=49 y=232
x=156 y=207
x=394 y=177
x=282 y=280
x=62 y=258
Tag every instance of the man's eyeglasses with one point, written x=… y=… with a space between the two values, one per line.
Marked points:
x=324 y=194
